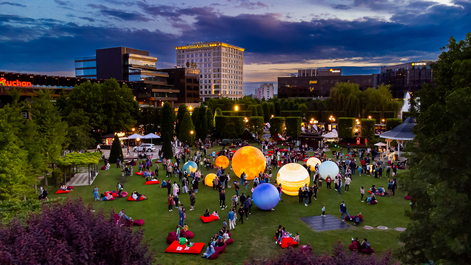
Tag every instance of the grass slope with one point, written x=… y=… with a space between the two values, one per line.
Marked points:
x=254 y=238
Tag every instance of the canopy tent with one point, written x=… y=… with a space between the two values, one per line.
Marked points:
x=151 y=136
x=400 y=133
x=332 y=134
x=123 y=138
x=380 y=144
x=135 y=136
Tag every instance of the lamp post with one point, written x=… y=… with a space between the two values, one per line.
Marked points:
x=236 y=108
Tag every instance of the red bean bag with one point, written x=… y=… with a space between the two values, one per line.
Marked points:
x=220 y=249
x=209 y=219
x=62 y=191
x=188 y=234
x=103 y=168
x=131 y=199
x=373 y=202
x=407 y=197
x=139 y=222
x=177 y=248
x=286 y=242
x=229 y=241
x=172 y=236
x=152 y=182
x=370 y=192
x=215 y=255
x=112 y=193
x=140 y=173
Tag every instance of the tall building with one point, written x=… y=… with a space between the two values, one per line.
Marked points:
x=265 y=91
x=149 y=85
x=187 y=81
x=221 y=68
x=407 y=77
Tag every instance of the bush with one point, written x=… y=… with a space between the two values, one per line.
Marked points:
x=368 y=128
x=237 y=122
x=276 y=125
x=405 y=115
x=392 y=123
x=70 y=233
x=375 y=115
x=325 y=116
x=116 y=150
x=346 y=127
x=389 y=115
x=293 y=126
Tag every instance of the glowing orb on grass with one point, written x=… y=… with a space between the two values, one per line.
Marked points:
x=222 y=161
x=328 y=168
x=292 y=176
x=190 y=167
x=312 y=162
x=208 y=180
x=265 y=196
x=250 y=160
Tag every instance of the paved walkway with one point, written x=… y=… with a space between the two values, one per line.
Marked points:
x=81 y=178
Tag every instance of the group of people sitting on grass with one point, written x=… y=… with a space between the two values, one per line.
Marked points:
x=65 y=187
x=282 y=233
x=218 y=240
x=363 y=245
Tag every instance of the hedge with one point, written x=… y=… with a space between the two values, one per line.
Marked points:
x=325 y=116
x=293 y=126
x=291 y=113
x=312 y=114
x=392 y=123
x=368 y=128
x=389 y=115
x=256 y=125
x=236 y=123
x=346 y=127
x=242 y=113
x=405 y=115
x=338 y=114
x=375 y=115
x=277 y=125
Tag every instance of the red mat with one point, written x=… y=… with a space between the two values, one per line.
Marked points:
x=152 y=182
x=177 y=248
x=209 y=219
x=62 y=191
x=139 y=173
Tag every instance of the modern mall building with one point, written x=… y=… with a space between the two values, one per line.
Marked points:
x=221 y=68
x=407 y=77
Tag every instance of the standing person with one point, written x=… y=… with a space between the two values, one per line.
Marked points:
x=196 y=181
x=314 y=191
x=343 y=210
x=280 y=190
x=119 y=187
x=340 y=185
x=362 y=191
x=230 y=217
x=310 y=192
x=169 y=187
x=242 y=199
x=394 y=187
x=241 y=214
x=95 y=193
x=390 y=187
x=348 y=180
x=156 y=170
x=236 y=187
x=234 y=202
x=222 y=199
x=323 y=210
x=249 y=209
x=300 y=195
x=181 y=216
x=306 y=194
x=98 y=149
x=170 y=203
x=328 y=180
x=192 y=201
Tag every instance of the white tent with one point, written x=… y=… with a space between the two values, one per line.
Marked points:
x=150 y=136
x=135 y=136
x=380 y=144
x=332 y=134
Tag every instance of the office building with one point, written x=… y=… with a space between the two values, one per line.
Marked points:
x=221 y=68
x=150 y=86
x=185 y=80
x=407 y=77
x=317 y=83
x=265 y=91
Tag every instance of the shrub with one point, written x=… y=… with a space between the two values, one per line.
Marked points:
x=368 y=128
x=277 y=125
x=70 y=233
x=116 y=150
x=389 y=114
x=375 y=115
x=346 y=127
x=293 y=126
x=392 y=123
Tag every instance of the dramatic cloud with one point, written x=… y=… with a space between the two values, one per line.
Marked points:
x=119 y=14
x=12 y=4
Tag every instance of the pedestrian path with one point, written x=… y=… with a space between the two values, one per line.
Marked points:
x=81 y=178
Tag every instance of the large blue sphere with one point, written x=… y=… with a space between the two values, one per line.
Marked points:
x=190 y=167
x=265 y=196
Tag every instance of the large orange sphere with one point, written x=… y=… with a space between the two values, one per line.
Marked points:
x=250 y=160
x=208 y=180
x=222 y=161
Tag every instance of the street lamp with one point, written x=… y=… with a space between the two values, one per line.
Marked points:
x=369 y=117
x=331 y=118
x=236 y=108
x=272 y=115
x=191 y=132
x=133 y=129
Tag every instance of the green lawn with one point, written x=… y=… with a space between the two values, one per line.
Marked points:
x=254 y=238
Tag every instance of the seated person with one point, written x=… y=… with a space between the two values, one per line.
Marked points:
x=209 y=251
x=164 y=183
x=365 y=244
x=373 y=189
x=108 y=197
x=107 y=166
x=206 y=214
x=136 y=196
x=146 y=174
x=296 y=238
x=215 y=213
x=184 y=241
x=226 y=235
x=356 y=240
x=220 y=241
x=154 y=179
x=63 y=187
x=122 y=215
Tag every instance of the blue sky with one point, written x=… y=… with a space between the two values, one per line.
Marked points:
x=44 y=36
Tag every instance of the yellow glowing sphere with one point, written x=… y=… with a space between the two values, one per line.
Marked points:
x=250 y=160
x=292 y=176
x=208 y=180
x=222 y=161
x=312 y=162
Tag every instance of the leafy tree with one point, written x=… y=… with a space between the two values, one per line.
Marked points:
x=182 y=109
x=346 y=128
x=276 y=125
x=194 y=115
x=392 y=123
x=266 y=112
x=202 y=125
x=210 y=118
x=116 y=150
x=285 y=105
x=438 y=180
x=346 y=97
x=413 y=107
x=293 y=126
x=252 y=110
x=256 y=125
x=229 y=132
x=260 y=111
x=277 y=108
x=79 y=131
x=186 y=127
x=167 y=126
x=70 y=233
x=52 y=131
x=368 y=128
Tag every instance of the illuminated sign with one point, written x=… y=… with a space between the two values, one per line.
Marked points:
x=420 y=63
x=312 y=81
x=207 y=45
x=334 y=71
x=17 y=83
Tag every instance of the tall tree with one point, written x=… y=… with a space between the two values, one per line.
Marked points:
x=210 y=118
x=256 y=126
x=438 y=181
x=277 y=108
x=79 y=131
x=266 y=111
x=167 y=127
x=195 y=115
x=260 y=110
x=202 y=125
x=271 y=108
x=182 y=109
x=186 y=128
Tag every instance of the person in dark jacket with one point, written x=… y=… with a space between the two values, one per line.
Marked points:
x=241 y=215
x=343 y=210
x=300 y=195
x=222 y=199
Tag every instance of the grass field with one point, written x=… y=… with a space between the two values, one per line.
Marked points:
x=254 y=238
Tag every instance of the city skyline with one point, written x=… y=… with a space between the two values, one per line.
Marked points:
x=279 y=37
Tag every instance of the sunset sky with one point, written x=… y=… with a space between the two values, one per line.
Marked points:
x=44 y=36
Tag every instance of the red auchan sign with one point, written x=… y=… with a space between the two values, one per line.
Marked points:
x=17 y=83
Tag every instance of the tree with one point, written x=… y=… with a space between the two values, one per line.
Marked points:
x=182 y=109
x=302 y=108
x=252 y=110
x=116 y=150
x=346 y=97
x=285 y=105
x=256 y=125
x=276 y=125
x=202 y=125
x=70 y=233
x=293 y=126
x=277 y=108
x=266 y=112
x=79 y=131
x=260 y=110
x=217 y=112
x=392 y=123
x=368 y=128
x=346 y=128
x=186 y=128
x=438 y=179
x=194 y=115
x=271 y=108
x=210 y=118
x=167 y=126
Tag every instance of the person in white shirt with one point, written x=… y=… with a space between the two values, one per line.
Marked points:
x=348 y=180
